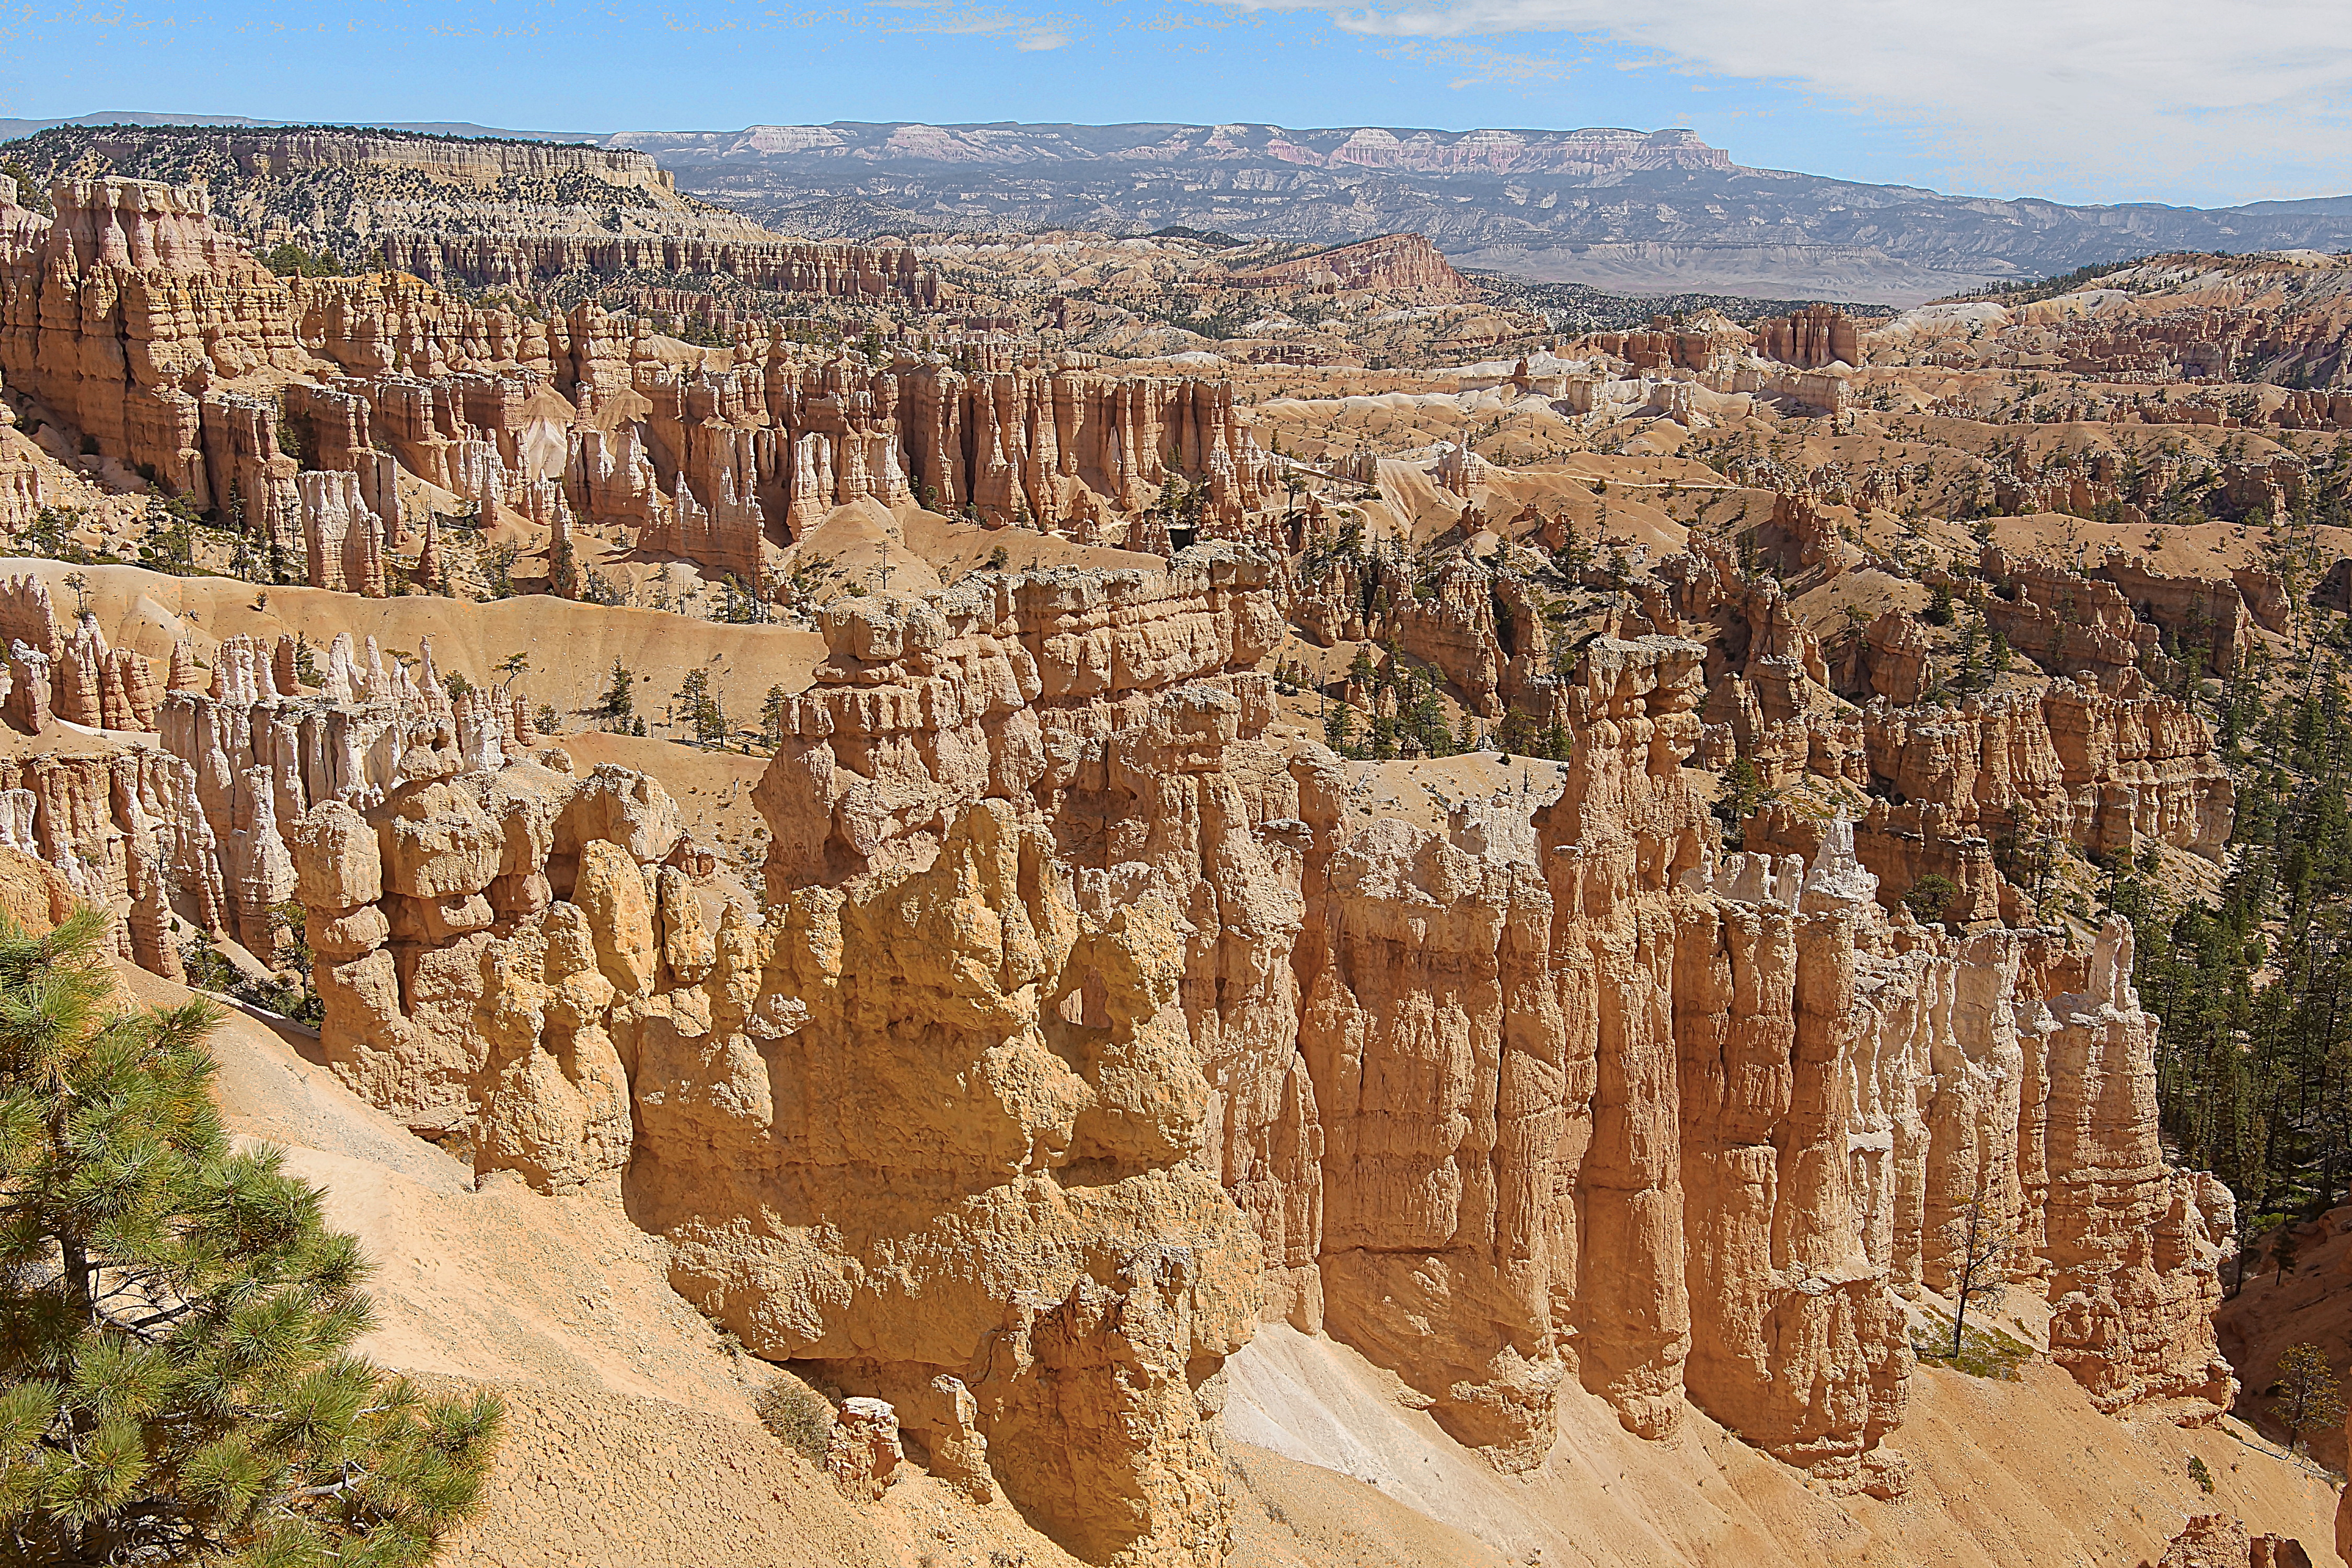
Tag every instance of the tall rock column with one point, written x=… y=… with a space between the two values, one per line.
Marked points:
x=2132 y=1241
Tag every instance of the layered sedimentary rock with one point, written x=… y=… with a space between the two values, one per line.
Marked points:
x=2121 y=614
x=147 y=328
x=123 y=310
x=54 y=673
x=1895 y=661
x=343 y=538
x=721 y=460
x=1815 y=335
x=124 y=832
x=1959 y=789
x=2130 y=1242
x=482 y=211
x=1050 y=1274
x=1480 y=630
x=1085 y=1025
x=1711 y=345
x=1398 y=263
x=479 y=165
x=783 y=266
x=258 y=754
x=21 y=488
x=1955 y=789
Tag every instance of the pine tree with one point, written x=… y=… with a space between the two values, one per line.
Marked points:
x=705 y=716
x=1938 y=612
x=176 y=1382
x=618 y=706
x=1339 y=729
x=1929 y=897
x=1742 y=793
x=771 y=717
x=1980 y=1240
x=2305 y=1398
x=170 y=546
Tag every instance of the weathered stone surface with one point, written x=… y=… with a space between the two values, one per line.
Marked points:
x=620 y=807
x=2131 y=1242
x=1085 y=1026
x=864 y=1454
x=338 y=859
x=2221 y=1540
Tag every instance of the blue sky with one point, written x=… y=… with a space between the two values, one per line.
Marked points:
x=2183 y=100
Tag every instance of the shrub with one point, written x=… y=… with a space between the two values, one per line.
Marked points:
x=1929 y=897
x=1985 y=1352
x=798 y=1414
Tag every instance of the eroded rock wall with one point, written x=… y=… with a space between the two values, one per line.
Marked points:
x=1965 y=792
x=123 y=310
x=151 y=330
x=1083 y=1026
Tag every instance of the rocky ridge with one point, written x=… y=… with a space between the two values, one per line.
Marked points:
x=469 y=212
x=1607 y=208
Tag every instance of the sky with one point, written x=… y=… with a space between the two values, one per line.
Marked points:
x=2194 y=101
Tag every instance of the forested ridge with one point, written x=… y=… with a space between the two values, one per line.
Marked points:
x=2255 y=987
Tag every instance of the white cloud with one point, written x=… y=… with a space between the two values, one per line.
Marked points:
x=954 y=18
x=2251 y=98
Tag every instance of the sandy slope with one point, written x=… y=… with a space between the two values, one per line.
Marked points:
x=2312 y=1305
x=572 y=647
x=2004 y=1474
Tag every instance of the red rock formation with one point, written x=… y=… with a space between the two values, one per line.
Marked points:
x=1170 y=1036
x=784 y=266
x=342 y=538
x=1481 y=628
x=1809 y=338
x=2131 y=1242
x=121 y=312
x=122 y=828
x=21 y=498
x=69 y=674
x=260 y=756
x=1406 y=264
x=2220 y=1540
x=1710 y=346
x=709 y=465
x=2117 y=615
x=1895 y=661
x=1101 y=1388
x=1961 y=792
